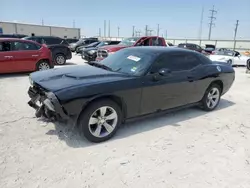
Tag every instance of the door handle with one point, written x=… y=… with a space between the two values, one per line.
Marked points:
x=34 y=55
x=8 y=56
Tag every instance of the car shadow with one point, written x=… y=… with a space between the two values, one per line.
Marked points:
x=70 y=134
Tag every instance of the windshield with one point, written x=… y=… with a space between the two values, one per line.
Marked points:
x=132 y=62
x=129 y=41
x=102 y=44
x=225 y=53
x=93 y=44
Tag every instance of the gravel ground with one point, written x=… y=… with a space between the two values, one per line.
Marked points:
x=185 y=149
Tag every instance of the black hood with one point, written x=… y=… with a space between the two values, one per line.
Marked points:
x=73 y=76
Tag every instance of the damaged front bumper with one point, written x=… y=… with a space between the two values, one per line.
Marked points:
x=46 y=104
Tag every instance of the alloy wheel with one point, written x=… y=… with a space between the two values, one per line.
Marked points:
x=60 y=60
x=213 y=98
x=103 y=121
x=43 y=66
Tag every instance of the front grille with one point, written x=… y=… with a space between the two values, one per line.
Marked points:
x=102 y=53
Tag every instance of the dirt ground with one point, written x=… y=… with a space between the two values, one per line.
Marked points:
x=185 y=149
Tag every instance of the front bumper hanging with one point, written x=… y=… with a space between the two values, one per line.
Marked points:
x=46 y=104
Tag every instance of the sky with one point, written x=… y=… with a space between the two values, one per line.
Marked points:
x=176 y=18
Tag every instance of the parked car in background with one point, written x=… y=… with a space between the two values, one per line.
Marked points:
x=105 y=51
x=230 y=57
x=58 y=46
x=17 y=55
x=82 y=42
x=191 y=46
x=210 y=48
x=90 y=54
x=69 y=40
x=81 y=48
x=132 y=82
x=12 y=36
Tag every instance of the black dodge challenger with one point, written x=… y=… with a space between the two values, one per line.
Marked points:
x=130 y=83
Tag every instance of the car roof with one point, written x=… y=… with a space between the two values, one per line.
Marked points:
x=43 y=37
x=17 y=39
x=159 y=49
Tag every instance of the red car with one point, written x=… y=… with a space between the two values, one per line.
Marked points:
x=18 y=55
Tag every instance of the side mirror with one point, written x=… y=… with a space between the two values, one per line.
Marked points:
x=164 y=72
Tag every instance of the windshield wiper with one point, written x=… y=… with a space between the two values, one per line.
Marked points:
x=100 y=65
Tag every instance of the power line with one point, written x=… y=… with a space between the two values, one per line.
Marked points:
x=211 y=24
x=201 y=23
x=137 y=33
x=235 y=32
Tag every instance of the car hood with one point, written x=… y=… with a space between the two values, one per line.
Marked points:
x=113 y=48
x=75 y=75
x=220 y=57
x=89 y=49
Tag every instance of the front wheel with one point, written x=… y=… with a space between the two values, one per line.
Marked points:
x=211 y=97
x=60 y=59
x=100 y=121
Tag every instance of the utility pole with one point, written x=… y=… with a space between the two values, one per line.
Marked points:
x=146 y=30
x=158 y=30
x=211 y=24
x=74 y=23
x=150 y=31
x=42 y=22
x=235 y=32
x=133 y=31
x=166 y=34
x=109 y=28
x=104 y=28
x=201 y=23
x=100 y=32
x=118 y=31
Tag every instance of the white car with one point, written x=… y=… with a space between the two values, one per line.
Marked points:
x=233 y=58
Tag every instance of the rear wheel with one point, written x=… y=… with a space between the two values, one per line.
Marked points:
x=100 y=121
x=211 y=97
x=248 y=64
x=43 y=65
x=60 y=59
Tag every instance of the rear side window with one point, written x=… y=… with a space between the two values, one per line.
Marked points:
x=176 y=62
x=52 y=40
x=5 y=46
x=114 y=42
x=23 y=46
x=157 y=41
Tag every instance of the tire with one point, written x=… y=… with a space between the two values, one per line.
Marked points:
x=206 y=105
x=60 y=59
x=97 y=131
x=248 y=64
x=43 y=65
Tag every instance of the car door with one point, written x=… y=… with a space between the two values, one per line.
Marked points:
x=25 y=55
x=238 y=59
x=6 y=62
x=175 y=89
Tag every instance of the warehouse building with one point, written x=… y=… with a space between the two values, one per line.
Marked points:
x=42 y=30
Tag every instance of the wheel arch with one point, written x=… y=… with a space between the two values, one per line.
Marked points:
x=219 y=83
x=118 y=100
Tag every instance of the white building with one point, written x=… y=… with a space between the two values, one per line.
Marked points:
x=39 y=30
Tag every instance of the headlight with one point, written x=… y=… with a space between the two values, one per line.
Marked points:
x=31 y=81
x=110 y=53
x=91 y=51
